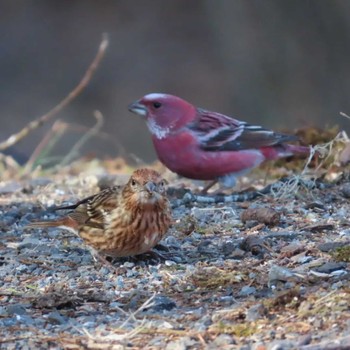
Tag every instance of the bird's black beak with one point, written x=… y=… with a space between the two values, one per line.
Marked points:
x=150 y=187
x=138 y=108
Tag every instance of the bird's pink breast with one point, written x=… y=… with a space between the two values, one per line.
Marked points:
x=182 y=154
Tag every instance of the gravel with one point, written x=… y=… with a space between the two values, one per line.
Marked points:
x=223 y=283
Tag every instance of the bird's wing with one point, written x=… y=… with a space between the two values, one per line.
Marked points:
x=217 y=132
x=92 y=211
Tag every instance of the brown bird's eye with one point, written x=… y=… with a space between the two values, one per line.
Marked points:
x=156 y=104
x=133 y=183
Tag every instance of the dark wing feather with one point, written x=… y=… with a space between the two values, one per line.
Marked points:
x=75 y=205
x=91 y=211
x=218 y=132
x=103 y=203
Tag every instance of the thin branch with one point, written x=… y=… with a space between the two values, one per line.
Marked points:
x=45 y=144
x=148 y=303
x=344 y=115
x=75 y=149
x=13 y=139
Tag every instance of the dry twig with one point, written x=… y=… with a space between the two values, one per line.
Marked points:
x=13 y=139
x=75 y=149
x=57 y=129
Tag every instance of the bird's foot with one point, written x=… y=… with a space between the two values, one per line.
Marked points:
x=166 y=254
x=208 y=186
x=154 y=255
x=162 y=247
x=100 y=259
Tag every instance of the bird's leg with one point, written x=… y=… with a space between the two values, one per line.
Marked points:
x=162 y=247
x=225 y=182
x=157 y=255
x=97 y=257
x=105 y=262
x=166 y=254
x=153 y=254
x=208 y=186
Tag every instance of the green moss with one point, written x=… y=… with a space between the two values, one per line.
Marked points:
x=213 y=278
x=285 y=299
x=342 y=254
x=31 y=286
x=239 y=329
x=174 y=268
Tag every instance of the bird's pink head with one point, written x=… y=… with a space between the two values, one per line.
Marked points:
x=164 y=113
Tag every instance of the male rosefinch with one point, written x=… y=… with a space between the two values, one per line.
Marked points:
x=121 y=220
x=203 y=145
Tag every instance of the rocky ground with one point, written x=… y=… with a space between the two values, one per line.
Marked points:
x=269 y=273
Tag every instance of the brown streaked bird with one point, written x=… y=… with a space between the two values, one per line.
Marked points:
x=121 y=220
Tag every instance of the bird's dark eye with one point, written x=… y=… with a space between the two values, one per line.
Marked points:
x=133 y=182
x=156 y=104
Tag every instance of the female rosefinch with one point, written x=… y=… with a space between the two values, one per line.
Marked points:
x=122 y=220
x=205 y=145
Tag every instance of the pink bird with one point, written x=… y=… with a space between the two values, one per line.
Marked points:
x=204 y=145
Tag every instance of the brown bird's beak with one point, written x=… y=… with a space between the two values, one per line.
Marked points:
x=138 y=108
x=150 y=187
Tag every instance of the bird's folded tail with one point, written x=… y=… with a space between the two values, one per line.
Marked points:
x=66 y=221
x=285 y=150
x=296 y=149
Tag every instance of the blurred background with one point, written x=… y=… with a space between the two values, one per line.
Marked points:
x=282 y=64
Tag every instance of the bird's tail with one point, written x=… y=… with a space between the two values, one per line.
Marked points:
x=295 y=149
x=285 y=150
x=66 y=221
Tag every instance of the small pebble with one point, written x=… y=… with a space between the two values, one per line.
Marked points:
x=221 y=342
x=9 y=322
x=279 y=273
x=128 y=264
x=247 y=290
x=330 y=267
x=328 y=246
x=16 y=309
x=55 y=317
x=255 y=312
x=162 y=303
x=345 y=190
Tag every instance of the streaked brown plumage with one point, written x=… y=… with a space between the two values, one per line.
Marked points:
x=121 y=220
